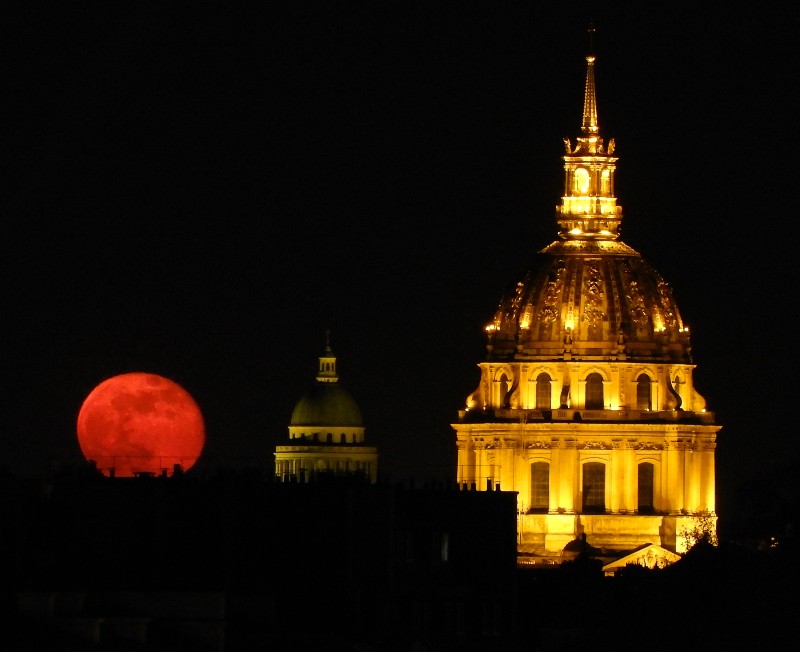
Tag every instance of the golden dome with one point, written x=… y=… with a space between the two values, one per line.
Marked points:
x=590 y=302
x=589 y=296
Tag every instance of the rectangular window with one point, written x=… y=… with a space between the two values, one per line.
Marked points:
x=540 y=487
x=594 y=488
x=645 y=488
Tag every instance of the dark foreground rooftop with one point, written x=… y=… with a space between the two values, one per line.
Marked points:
x=241 y=562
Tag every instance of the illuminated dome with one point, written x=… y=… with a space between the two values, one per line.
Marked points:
x=586 y=405
x=327 y=403
x=591 y=300
x=589 y=296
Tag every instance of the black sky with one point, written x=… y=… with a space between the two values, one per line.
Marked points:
x=201 y=189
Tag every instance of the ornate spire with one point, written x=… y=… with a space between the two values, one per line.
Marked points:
x=589 y=125
x=589 y=210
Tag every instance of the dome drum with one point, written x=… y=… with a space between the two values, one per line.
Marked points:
x=585 y=390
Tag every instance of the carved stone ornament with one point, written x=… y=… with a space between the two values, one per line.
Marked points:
x=594 y=445
x=649 y=446
x=538 y=444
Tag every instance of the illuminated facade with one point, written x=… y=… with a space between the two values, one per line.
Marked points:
x=586 y=404
x=326 y=432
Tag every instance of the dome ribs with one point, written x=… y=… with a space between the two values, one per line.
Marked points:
x=589 y=306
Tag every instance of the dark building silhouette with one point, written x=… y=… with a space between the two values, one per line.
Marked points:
x=240 y=561
x=235 y=560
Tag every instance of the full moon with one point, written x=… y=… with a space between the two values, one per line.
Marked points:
x=140 y=423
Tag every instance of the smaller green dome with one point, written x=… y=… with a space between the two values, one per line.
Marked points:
x=327 y=404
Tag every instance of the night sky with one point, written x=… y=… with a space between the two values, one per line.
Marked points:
x=201 y=189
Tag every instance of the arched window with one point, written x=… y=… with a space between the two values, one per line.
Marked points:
x=582 y=181
x=540 y=487
x=643 y=394
x=594 y=488
x=605 y=180
x=502 y=390
x=645 y=488
x=543 y=395
x=594 y=392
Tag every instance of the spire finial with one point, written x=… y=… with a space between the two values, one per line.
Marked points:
x=589 y=125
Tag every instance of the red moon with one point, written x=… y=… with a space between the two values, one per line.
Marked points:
x=140 y=423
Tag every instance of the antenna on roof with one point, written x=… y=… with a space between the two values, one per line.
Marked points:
x=591 y=31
